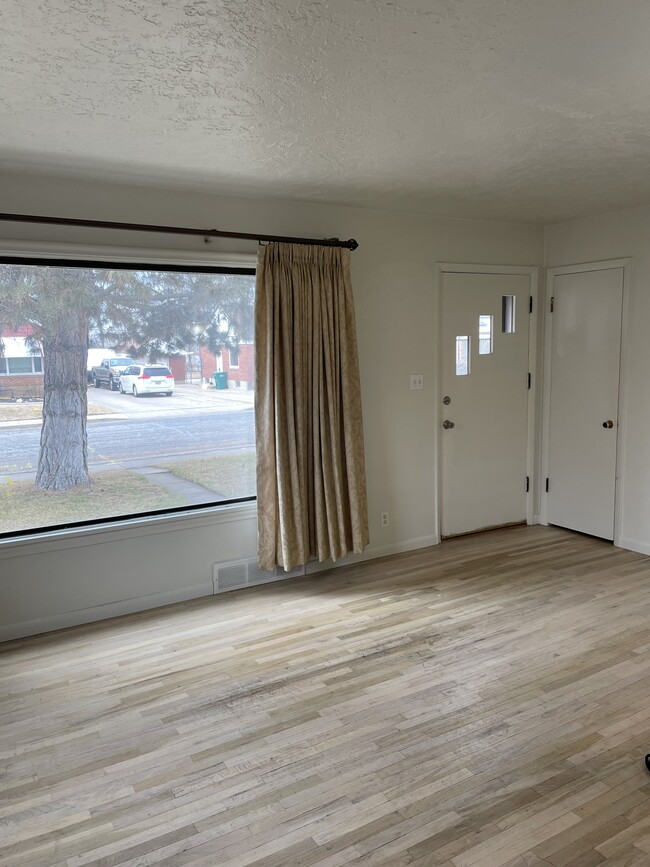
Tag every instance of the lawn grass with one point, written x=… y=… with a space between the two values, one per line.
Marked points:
x=26 y=411
x=112 y=493
x=231 y=476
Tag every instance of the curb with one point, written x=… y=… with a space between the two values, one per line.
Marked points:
x=37 y=422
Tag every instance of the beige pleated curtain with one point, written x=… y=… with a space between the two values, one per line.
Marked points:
x=311 y=487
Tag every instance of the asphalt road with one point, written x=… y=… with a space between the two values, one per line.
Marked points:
x=133 y=441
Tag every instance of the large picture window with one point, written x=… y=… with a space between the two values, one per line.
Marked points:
x=126 y=410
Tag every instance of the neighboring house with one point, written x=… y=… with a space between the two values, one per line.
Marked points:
x=238 y=364
x=21 y=367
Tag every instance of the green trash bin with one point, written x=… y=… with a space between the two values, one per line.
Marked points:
x=221 y=379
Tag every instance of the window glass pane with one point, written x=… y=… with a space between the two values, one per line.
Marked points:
x=485 y=323
x=3 y=365
x=19 y=365
x=462 y=355
x=508 y=314
x=234 y=358
x=172 y=324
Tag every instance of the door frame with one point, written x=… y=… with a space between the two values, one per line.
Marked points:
x=551 y=273
x=532 y=272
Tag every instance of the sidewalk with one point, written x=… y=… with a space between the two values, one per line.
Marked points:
x=234 y=395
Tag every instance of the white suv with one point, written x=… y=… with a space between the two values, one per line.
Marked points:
x=141 y=379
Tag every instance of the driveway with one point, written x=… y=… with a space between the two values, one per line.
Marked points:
x=186 y=400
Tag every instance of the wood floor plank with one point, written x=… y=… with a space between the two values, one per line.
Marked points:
x=484 y=703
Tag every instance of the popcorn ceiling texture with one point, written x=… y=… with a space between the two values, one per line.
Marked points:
x=498 y=109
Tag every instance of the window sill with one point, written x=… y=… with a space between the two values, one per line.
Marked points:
x=117 y=531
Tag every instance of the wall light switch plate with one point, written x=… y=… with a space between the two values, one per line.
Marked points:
x=417 y=381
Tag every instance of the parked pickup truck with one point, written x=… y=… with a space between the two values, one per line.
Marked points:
x=109 y=372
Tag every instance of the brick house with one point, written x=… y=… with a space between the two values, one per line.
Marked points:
x=238 y=364
x=21 y=368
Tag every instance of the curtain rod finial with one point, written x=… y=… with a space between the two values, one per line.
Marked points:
x=352 y=244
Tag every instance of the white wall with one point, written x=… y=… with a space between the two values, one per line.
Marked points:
x=612 y=236
x=16 y=347
x=43 y=585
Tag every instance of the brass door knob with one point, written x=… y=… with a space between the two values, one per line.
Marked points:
x=608 y=424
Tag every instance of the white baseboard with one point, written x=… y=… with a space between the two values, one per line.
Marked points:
x=634 y=545
x=373 y=552
x=102 y=612
x=156 y=600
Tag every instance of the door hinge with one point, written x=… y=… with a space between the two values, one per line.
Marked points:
x=552 y=303
x=530 y=304
x=547 y=484
x=527 y=484
x=529 y=380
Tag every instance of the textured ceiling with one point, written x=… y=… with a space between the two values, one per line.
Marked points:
x=535 y=110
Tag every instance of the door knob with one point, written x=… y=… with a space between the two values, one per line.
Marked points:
x=608 y=424
x=448 y=424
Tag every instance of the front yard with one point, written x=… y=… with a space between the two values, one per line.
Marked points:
x=231 y=476
x=111 y=494
x=114 y=493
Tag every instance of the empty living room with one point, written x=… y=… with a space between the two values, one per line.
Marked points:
x=324 y=467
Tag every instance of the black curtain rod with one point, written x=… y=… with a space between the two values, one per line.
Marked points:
x=174 y=230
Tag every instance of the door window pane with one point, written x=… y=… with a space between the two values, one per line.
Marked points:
x=462 y=355
x=485 y=326
x=508 y=314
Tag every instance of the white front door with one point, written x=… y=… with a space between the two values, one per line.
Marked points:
x=484 y=412
x=583 y=415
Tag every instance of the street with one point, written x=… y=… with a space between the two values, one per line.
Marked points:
x=134 y=442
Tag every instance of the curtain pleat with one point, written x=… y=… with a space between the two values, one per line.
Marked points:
x=311 y=487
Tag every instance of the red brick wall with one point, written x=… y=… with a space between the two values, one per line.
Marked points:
x=21 y=385
x=208 y=363
x=245 y=372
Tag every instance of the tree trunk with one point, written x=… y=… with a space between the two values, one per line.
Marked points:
x=63 y=459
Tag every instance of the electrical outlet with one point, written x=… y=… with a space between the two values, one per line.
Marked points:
x=417 y=381
x=385 y=519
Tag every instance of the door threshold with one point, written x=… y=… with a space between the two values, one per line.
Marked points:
x=489 y=529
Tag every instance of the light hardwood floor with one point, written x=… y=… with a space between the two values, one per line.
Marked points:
x=483 y=703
